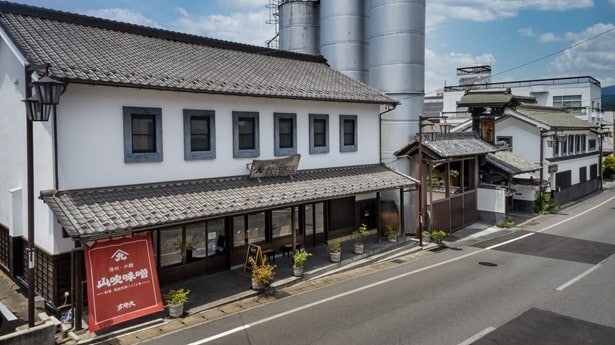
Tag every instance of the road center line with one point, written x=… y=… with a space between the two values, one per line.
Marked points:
x=477 y=336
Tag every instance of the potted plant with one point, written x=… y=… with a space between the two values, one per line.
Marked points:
x=262 y=274
x=175 y=300
x=359 y=235
x=426 y=236
x=335 y=250
x=391 y=234
x=437 y=236
x=299 y=258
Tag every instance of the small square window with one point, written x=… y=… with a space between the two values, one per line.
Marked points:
x=285 y=131
x=199 y=134
x=245 y=134
x=348 y=133
x=319 y=133
x=142 y=134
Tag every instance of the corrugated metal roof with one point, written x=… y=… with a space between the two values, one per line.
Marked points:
x=92 y=212
x=82 y=49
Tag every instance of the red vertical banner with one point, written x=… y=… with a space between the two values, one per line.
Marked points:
x=122 y=281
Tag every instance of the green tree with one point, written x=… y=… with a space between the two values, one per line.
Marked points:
x=608 y=167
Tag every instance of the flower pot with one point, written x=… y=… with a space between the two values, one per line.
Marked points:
x=176 y=310
x=392 y=238
x=359 y=248
x=257 y=285
x=298 y=271
x=335 y=256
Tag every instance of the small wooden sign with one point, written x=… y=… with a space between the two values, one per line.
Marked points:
x=256 y=253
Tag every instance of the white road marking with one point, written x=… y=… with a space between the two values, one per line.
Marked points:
x=326 y=300
x=477 y=336
x=576 y=215
x=580 y=276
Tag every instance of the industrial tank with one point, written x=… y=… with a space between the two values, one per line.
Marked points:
x=299 y=27
x=343 y=36
x=397 y=67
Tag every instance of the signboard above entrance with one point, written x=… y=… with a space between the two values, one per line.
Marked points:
x=275 y=167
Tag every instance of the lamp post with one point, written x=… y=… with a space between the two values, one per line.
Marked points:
x=38 y=108
x=444 y=128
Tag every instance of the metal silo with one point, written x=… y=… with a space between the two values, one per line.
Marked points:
x=343 y=36
x=397 y=67
x=299 y=27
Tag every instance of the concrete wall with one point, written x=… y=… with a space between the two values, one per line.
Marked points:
x=42 y=334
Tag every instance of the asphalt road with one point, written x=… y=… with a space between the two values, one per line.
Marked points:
x=551 y=283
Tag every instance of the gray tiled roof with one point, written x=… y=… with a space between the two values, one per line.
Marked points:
x=450 y=145
x=511 y=163
x=553 y=117
x=90 y=50
x=92 y=212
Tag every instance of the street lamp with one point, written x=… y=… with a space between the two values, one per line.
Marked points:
x=38 y=108
x=444 y=129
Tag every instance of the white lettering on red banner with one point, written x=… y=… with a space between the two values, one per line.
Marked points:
x=122 y=281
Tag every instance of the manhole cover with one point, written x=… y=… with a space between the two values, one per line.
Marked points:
x=488 y=264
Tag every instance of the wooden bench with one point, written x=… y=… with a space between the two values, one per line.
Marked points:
x=270 y=253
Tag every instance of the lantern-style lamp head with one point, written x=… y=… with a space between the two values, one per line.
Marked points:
x=48 y=92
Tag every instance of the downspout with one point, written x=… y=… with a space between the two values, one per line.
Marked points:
x=380 y=129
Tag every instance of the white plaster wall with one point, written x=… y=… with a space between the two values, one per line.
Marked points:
x=491 y=200
x=12 y=140
x=91 y=148
x=526 y=141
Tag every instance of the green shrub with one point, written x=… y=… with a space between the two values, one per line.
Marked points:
x=546 y=204
x=608 y=167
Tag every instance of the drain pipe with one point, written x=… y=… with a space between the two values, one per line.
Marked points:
x=390 y=107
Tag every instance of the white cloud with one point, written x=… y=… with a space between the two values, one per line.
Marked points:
x=440 y=11
x=244 y=27
x=441 y=69
x=592 y=53
x=122 y=15
x=548 y=37
x=242 y=4
x=529 y=32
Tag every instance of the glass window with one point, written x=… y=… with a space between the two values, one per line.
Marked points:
x=568 y=101
x=309 y=219
x=256 y=227
x=592 y=144
x=281 y=222
x=348 y=133
x=455 y=177
x=195 y=240
x=170 y=247
x=199 y=134
x=319 y=133
x=245 y=134
x=239 y=231
x=285 y=129
x=216 y=240
x=319 y=218
x=437 y=183
x=142 y=134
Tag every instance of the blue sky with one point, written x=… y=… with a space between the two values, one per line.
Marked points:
x=521 y=39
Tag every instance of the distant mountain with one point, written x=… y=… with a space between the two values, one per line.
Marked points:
x=608 y=98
